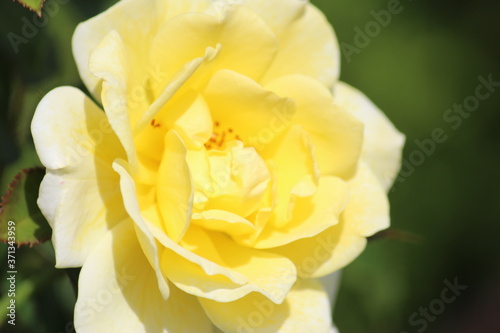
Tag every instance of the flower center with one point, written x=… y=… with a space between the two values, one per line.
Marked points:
x=220 y=136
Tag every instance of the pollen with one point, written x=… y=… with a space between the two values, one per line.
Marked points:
x=220 y=136
x=155 y=124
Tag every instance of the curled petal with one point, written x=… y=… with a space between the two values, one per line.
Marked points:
x=305 y=309
x=310 y=215
x=174 y=188
x=366 y=213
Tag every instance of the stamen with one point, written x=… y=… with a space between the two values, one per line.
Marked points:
x=154 y=124
x=221 y=142
x=220 y=136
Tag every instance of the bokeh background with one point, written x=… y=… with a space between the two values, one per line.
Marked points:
x=445 y=206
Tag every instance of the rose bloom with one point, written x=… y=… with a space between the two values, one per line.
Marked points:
x=222 y=170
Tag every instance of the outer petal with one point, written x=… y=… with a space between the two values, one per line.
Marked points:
x=118 y=292
x=305 y=309
x=77 y=146
x=278 y=14
x=336 y=134
x=366 y=213
x=309 y=47
x=248 y=45
x=144 y=18
x=383 y=143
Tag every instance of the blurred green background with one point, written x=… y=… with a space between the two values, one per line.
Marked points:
x=428 y=58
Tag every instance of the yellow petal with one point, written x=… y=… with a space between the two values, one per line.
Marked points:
x=278 y=14
x=144 y=20
x=153 y=104
x=187 y=114
x=143 y=234
x=223 y=221
x=109 y=63
x=366 y=213
x=383 y=144
x=76 y=144
x=305 y=309
x=295 y=169
x=310 y=215
x=335 y=133
x=309 y=47
x=199 y=276
x=368 y=209
x=118 y=292
x=248 y=45
x=256 y=115
x=194 y=125
x=174 y=187
x=189 y=271
x=199 y=165
x=239 y=177
x=266 y=273
x=149 y=164
x=234 y=179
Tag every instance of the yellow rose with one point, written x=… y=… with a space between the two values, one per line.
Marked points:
x=229 y=170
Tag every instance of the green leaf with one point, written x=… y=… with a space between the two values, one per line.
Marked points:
x=34 y=5
x=19 y=206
